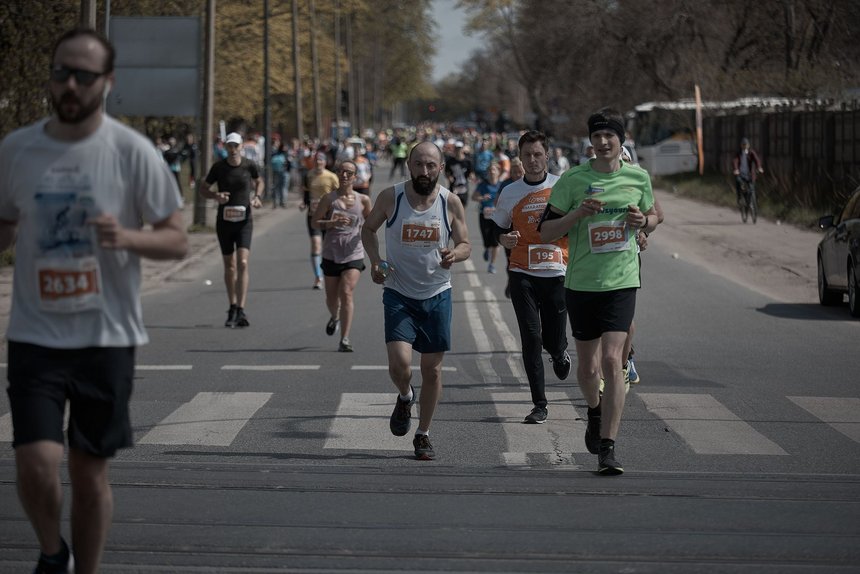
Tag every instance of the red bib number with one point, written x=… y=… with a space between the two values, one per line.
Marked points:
x=608 y=236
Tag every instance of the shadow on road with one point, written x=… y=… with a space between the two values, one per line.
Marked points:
x=806 y=311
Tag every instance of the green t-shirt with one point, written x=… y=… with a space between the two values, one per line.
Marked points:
x=602 y=248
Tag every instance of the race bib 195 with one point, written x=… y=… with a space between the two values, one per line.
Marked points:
x=546 y=257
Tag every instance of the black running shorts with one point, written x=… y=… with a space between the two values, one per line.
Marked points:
x=332 y=269
x=233 y=235
x=593 y=313
x=97 y=382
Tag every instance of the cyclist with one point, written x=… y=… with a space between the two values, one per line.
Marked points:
x=747 y=164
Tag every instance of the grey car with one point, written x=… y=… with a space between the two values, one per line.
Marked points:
x=839 y=256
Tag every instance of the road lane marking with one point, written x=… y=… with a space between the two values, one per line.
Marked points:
x=509 y=342
x=707 y=426
x=474 y=280
x=163 y=367
x=270 y=368
x=361 y=423
x=553 y=441
x=385 y=368
x=209 y=419
x=482 y=341
x=841 y=413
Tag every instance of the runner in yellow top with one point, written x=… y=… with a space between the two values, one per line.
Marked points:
x=600 y=205
x=537 y=270
x=318 y=183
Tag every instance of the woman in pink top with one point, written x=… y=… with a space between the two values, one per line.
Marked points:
x=340 y=215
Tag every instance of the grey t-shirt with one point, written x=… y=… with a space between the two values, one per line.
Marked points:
x=67 y=291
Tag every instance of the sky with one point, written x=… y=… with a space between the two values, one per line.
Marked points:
x=453 y=46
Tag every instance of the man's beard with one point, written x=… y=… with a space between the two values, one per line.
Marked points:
x=423 y=185
x=84 y=109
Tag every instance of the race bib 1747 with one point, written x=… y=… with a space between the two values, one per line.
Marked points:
x=420 y=233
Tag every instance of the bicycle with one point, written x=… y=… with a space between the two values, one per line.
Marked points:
x=747 y=201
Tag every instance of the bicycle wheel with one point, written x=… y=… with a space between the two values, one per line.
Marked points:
x=743 y=204
x=753 y=209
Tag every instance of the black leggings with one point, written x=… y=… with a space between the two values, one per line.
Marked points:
x=539 y=303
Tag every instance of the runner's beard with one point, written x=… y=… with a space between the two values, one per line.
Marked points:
x=423 y=185
x=72 y=110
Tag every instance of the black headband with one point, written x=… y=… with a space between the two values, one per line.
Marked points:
x=599 y=122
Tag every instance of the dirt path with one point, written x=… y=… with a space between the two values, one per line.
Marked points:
x=776 y=260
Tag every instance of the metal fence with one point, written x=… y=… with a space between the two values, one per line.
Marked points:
x=811 y=153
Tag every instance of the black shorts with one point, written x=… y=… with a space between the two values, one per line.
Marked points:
x=488 y=231
x=233 y=235
x=332 y=269
x=593 y=313
x=97 y=382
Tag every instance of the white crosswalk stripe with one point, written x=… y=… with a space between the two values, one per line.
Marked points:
x=841 y=413
x=209 y=419
x=361 y=423
x=551 y=442
x=707 y=426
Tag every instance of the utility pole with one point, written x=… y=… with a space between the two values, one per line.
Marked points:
x=338 y=101
x=267 y=122
x=88 y=14
x=298 y=80
x=208 y=109
x=315 y=63
x=350 y=78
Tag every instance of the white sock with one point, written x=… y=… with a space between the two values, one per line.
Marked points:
x=420 y=432
x=407 y=397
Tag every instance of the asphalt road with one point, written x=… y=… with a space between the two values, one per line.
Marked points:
x=265 y=450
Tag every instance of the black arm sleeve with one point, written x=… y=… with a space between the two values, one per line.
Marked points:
x=548 y=214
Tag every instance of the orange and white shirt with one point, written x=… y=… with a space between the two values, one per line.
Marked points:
x=520 y=207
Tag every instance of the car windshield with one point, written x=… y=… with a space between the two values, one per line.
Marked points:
x=852 y=208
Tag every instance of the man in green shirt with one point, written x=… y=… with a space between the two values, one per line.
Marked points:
x=601 y=205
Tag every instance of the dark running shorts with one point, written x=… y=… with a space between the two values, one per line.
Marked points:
x=424 y=323
x=233 y=235
x=332 y=269
x=97 y=383
x=593 y=313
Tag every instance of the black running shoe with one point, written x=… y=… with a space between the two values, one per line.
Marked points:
x=62 y=563
x=561 y=366
x=592 y=432
x=401 y=418
x=331 y=326
x=231 y=317
x=606 y=462
x=241 y=319
x=423 y=448
x=536 y=417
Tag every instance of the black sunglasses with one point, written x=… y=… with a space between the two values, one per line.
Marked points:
x=61 y=74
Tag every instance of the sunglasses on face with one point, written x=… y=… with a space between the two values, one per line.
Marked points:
x=61 y=74
x=347 y=172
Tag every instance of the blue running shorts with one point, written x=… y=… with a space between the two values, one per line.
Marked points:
x=424 y=323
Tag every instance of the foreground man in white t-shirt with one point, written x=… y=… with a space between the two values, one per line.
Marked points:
x=74 y=189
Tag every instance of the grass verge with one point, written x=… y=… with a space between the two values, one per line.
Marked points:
x=718 y=190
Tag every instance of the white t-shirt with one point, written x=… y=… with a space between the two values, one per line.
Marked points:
x=68 y=292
